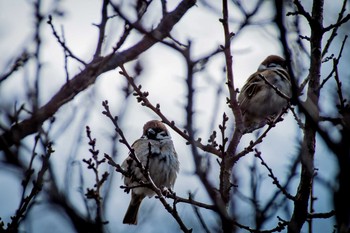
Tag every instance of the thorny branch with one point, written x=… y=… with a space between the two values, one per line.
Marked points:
x=95 y=193
x=252 y=144
x=38 y=183
x=142 y=98
x=273 y=177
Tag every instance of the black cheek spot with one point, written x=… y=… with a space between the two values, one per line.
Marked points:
x=155 y=154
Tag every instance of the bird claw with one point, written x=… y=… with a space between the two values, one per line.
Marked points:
x=167 y=191
x=272 y=120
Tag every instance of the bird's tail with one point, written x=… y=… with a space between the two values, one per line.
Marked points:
x=131 y=214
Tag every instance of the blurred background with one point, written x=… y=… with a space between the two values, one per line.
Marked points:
x=162 y=72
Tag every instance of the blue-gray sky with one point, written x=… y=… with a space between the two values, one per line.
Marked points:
x=163 y=76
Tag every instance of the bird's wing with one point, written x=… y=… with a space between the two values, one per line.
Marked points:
x=250 y=89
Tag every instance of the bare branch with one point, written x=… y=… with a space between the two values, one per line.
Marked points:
x=89 y=75
x=62 y=42
x=252 y=144
x=95 y=193
x=142 y=97
x=335 y=28
x=302 y=11
x=19 y=62
x=308 y=145
x=102 y=28
x=273 y=177
x=38 y=183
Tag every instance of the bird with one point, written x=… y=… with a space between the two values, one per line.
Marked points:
x=155 y=148
x=258 y=100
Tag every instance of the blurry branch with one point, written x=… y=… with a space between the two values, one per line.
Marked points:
x=335 y=28
x=199 y=216
x=321 y=215
x=341 y=20
x=297 y=118
x=273 y=177
x=27 y=200
x=122 y=39
x=63 y=43
x=95 y=193
x=273 y=203
x=247 y=15
x=342 y=101
x=78 y=221
x=312 y=200
x=89 y=75
x=66 y=56
x=335 y=64
x=34 y=91
x=252 y=144
x=141 y=97
x=300 y=11
x=280 y=227
x=283 y=35
x=102 y=28
x=19 y=62
x=297 y=23
x=139 y=27
x=301 y=204
x=201 y=167
x=143 y=168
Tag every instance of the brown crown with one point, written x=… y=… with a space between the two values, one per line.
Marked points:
x=154 y=124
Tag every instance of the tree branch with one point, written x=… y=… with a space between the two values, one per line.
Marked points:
x=89 y=75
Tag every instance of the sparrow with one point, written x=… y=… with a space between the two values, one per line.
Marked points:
x=156 y=148
x=259 y=102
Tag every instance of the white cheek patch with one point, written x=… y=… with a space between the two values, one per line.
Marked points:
x=162 y=136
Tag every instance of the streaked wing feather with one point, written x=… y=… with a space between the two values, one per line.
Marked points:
x=252 y=86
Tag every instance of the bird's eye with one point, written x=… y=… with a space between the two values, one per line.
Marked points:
x=151 y=133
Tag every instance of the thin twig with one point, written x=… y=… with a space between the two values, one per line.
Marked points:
x=94 y=164
x=38 y=183
x=252 y=144
x=62 y=42
x=19 y=62
x=102 y=28
x=89 y=75
x=280 y=227
x=273 y=177
x=142 y=98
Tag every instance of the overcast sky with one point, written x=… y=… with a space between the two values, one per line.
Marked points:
x=163 y=76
